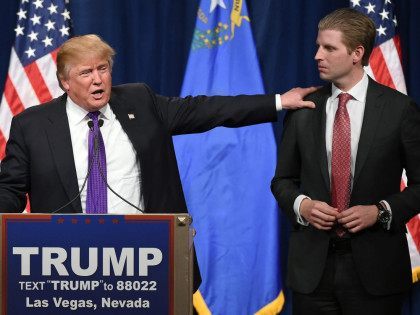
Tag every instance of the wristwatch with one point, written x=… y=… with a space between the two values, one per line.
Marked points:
x=384 y=215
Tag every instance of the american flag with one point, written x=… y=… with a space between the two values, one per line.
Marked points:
x=385 y=67
x=42 y=26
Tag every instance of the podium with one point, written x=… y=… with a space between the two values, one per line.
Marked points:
x=96 y=264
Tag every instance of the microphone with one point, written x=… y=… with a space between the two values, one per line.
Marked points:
x=114 y=192
x=90 y=123
x=100 y=123
x=95 y=139
x=90 y=165
x=91 y=161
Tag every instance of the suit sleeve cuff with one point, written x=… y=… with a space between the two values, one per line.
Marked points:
x=279 y=106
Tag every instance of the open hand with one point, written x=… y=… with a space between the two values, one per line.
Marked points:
x=293 y=99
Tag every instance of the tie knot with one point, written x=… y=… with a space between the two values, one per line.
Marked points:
x=94 y=115
x=343 y=98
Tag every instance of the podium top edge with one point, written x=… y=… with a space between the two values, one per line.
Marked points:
x=93 y=214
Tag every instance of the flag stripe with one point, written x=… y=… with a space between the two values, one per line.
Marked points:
x=393 y=63
x=413 y=226
x=2 y=146
x=397 y=43
x=12 y=97
x=47 y=67
x=37 y=82
x=5 y=120
x=379 y=68
x=20 y=80
x=369 y=71
x=54 y=55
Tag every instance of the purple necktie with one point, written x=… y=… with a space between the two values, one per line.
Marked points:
x=96 y=200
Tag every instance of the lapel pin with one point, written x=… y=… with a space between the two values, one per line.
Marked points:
x=131 y=116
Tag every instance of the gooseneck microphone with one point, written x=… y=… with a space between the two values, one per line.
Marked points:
x=114 y=192
x=91 y=162
x=90 y=165
x=100 y=123
x=95 y=139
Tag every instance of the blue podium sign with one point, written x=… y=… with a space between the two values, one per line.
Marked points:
x=75 y=264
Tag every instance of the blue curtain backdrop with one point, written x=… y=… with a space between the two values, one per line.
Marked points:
x=152 y=40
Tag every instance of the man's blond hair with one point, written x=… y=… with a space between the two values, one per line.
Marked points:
x=77 y=47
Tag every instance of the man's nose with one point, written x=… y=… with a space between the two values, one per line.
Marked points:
x=318 y=55
x=96 y=77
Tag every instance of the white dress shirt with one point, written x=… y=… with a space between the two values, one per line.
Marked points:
x=356 y=109
x=123 y=167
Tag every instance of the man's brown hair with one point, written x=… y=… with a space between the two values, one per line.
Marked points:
x=356 y=28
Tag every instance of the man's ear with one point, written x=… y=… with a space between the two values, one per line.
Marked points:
x=65 y=85
x=358 y=54
x=60 y=84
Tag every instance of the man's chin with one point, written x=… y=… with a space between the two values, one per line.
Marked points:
x=323 y=76
x=94 y=106
x=98 y=103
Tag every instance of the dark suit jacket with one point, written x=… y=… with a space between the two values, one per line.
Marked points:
x=39 y=157
x=389 y=142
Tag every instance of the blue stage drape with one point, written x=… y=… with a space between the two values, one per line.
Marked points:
x=153 y=38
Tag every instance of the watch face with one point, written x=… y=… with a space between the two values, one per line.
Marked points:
x=384 y=216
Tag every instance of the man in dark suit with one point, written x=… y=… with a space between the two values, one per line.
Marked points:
x=338 y=180
x=47 y=155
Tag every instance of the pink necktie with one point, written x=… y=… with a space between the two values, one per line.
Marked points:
x=341 y=158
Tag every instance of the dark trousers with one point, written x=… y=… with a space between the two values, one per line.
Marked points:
x=340 y=292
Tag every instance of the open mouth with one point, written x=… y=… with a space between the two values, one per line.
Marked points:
x=98 y=93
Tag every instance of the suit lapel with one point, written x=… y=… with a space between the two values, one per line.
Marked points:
x=319 y=132
x=138 y=128
x=371 y=118
x=58 y=133
x=128 y=118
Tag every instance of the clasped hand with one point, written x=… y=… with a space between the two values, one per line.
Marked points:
x=324 y=217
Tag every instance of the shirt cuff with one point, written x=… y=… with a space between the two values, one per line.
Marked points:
x=279 y=107
x=388 y=207
x=296 y=207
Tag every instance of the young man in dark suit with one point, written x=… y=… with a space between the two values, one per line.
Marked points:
x=338 y=179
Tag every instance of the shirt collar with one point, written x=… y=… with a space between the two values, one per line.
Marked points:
x=77 y=115
x=358 y=91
